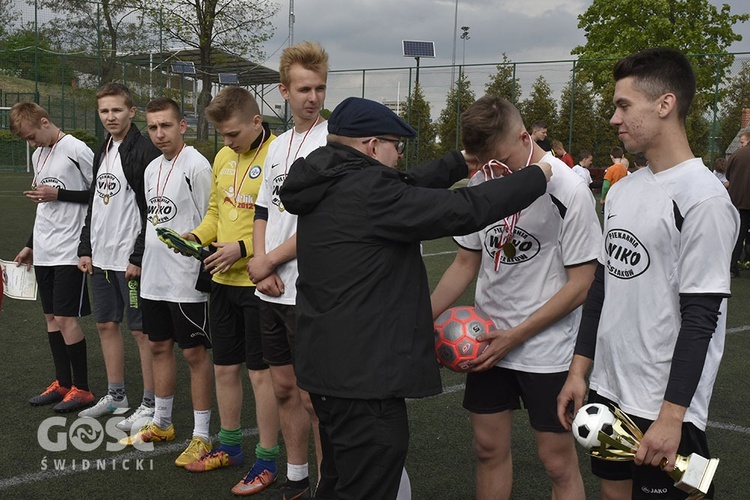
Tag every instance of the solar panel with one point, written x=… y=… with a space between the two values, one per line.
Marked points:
x=183 y=67
x=418 y=48
x=228 y=79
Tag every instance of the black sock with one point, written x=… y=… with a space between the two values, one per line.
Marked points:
x=302 y=483
x=60 y=358
x=79 y=362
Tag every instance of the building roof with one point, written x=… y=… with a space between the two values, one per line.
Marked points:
x=248 y=73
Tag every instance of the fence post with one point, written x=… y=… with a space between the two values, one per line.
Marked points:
x=712 y=141
x=572 y=106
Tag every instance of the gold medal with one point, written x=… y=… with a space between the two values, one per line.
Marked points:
x=281 y=206
x=105 y=199
x=155 y=220
x=233 y=214
x=510 y=249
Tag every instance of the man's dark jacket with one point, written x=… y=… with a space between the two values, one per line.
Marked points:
x=364 y=320
x=136 y=152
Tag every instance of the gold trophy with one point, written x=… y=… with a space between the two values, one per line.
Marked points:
x=612 y=435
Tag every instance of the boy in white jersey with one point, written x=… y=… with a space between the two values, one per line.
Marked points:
x=534 y=269
x=111 y=248
x=654 y=320
x=235 y=327
x=303 y=71
x=178 y=186
x=62 y=176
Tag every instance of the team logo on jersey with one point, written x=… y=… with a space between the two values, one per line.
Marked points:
x=254 y=172
x=165 y=209
x=626 y=255
x=107 y=185
x=527 y=246
x=53 y=181
x=276 y=184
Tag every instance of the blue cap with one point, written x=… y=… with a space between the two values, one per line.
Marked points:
x=357 y=117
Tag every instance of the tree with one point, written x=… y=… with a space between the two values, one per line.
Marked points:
x=100 y=29
x=736 y=99
x=583 y=125
x=459 y=98
x=504 y=83
x=417 y=114
x=18 y=57
x=9 y=14
x=616 y=29
x=540 y=106
x=238 y=27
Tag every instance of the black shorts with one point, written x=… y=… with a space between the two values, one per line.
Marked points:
x=501 y=389
x=277 y=326
x=235 y=326
x=649 y=481
x=184 y=322
x=113 y=293
x=63 y=290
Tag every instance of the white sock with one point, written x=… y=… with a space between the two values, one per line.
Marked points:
x=201 y=418
x=163 y=412
x=296 y=472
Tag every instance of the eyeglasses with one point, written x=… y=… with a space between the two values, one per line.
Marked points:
x=400 y=145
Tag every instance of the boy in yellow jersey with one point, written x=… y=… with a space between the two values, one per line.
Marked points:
x=228 y=227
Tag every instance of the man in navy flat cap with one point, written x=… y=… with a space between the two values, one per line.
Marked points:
x=364 y=338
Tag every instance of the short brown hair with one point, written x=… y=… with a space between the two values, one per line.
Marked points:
x=232 y=101
x=745 y=134
x=163 y=104
x=486 y=122
x=26 y=113
x=114 y=88
x=308 y=54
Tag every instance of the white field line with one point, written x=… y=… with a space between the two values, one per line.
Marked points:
x=176 y=447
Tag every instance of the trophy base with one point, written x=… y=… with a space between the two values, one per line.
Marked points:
x=697 y=473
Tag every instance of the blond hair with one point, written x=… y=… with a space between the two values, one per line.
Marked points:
x=310 y=55
x=26 y=113
x=230 y=102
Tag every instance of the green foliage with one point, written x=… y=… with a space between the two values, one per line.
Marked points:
x=588 y=130
x=91 y=140
x=417 y=114
x=459 y=98
x=737 y=98
x=616 y=29
x=503 y=84
x=540 y=105
x=17 y=57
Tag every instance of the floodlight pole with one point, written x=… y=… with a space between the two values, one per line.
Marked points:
x=291 y=22
x=453 y=58
x=417 y=78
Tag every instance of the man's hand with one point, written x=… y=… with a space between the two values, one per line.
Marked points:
x=546 y=168
x=472 y=162
x=259 y=268
x=224 y=258
x=25 y=257
x=42 y=194
x=271 y=285
x=85 y=265
x=570 y=399
x=662 y=439
x=501 y=343
x=132 y=272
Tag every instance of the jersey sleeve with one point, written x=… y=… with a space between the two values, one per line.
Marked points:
x=201 y=182
x=207 y=230
x=581 y=233
x=86 y=164
x=709 y=232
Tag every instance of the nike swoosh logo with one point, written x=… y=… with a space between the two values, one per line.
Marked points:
x=610 y=216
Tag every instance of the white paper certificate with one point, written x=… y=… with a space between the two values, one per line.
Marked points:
x=18 y=283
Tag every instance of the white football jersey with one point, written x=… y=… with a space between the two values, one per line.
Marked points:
x=115 y=218
x=177 y=194
x=665 y=234
x=57 y=226
x=559 y=229
x=281 y=224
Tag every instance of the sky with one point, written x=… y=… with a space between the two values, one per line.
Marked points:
x=360 y=34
